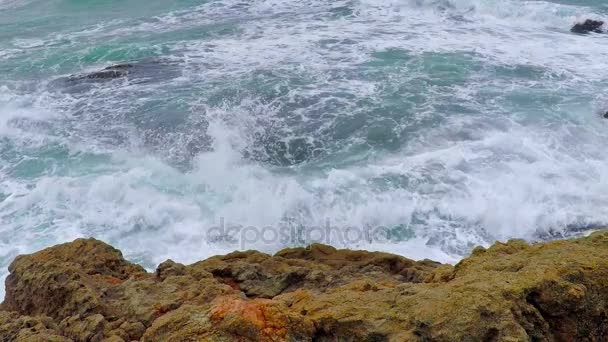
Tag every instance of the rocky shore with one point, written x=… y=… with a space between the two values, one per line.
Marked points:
x=86 y=291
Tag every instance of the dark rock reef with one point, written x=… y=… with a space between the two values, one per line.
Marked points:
x=86 y=291
x=113 y=71
x=588 y=26
x=143 y=71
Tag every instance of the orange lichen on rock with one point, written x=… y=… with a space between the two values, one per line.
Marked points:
x=252 y=311
x=110 y=280
x=259 y=319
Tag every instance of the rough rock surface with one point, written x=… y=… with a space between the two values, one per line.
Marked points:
x=86 y=291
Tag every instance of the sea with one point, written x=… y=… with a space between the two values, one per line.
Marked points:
x=188 y=128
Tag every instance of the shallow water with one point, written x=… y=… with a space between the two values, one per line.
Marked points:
x=447 y=124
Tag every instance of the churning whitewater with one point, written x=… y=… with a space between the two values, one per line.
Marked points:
x=154 y=125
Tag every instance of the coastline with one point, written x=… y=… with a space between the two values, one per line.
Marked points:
x=86 y=291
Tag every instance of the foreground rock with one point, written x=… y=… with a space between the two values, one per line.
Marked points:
x=86 y=291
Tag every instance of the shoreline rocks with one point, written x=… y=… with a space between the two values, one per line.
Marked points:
x=86 y=291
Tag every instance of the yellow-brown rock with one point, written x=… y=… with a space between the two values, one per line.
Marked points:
x=86 y=291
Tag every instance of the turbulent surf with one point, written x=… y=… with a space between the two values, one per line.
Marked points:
x=184 y=129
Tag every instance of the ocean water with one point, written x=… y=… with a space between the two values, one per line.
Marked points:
x=436 y=125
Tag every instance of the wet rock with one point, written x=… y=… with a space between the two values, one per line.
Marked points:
x=151 y=70
x=107 y=73
x=513 y=291
x=114 y=71
x=588 y=26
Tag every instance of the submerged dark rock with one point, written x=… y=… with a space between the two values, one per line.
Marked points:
x=605 y=116
x=108 y=73
x=114 y=71
x=588 y=26
x=152 y=70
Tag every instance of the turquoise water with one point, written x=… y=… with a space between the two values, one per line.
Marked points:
x=448 y=123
